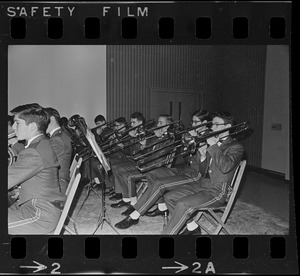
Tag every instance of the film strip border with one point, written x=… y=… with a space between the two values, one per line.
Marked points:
x=147 y=23
x=152 y=254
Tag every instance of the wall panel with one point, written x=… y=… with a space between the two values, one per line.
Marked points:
x=231 y=77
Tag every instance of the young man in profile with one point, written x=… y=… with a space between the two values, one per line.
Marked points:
x=36 y=172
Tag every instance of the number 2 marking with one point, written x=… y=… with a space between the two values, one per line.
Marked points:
x=198 y=265
x=54 y=270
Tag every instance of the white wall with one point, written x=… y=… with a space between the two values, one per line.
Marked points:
x=275 y=154
x=69 y=78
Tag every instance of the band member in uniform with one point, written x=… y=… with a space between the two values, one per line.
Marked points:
x=14 y=147
x=125 y=160
x=13 y=142
x=119 y=128
x=103 y=131
x=61 y=143
x=126 y=177
x=36 y=171
x=219 y=159
x=164 y=179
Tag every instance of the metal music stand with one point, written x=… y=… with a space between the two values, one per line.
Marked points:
x=89 y=186
x=106 y=167
x=102 y=217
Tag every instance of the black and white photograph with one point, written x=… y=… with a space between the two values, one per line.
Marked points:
x=147 y=137
x=157 y=115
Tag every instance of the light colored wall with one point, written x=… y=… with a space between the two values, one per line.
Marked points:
x=69 y=78
x=275 y=154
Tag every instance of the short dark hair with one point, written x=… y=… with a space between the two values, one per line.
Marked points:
x=202 y=115
x=139 y=116
x=226 y=116
x=53 y=112
x=168 y=117
x=33 y=113
x=11 y=119
x=63 y=121
x=121 y=120
x=99 y=118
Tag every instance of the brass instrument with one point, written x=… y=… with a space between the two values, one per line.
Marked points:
x=172 y=133
x=107 y=123
x=115 y=135
x=80 y=124
x=11 y=156
x=194 y=143
x=12 y=135
x=140 y=131
x=176 y=136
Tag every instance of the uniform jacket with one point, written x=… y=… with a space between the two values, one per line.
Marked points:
x=225 y=159
x=36 y=170
x=163 y=152
x=62 y=146
x=17 y=147
x=104 y=135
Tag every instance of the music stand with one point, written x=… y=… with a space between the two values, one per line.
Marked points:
x=105 y=165
x=102 y=217
x=89 y=186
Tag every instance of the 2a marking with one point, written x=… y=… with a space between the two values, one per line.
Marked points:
x=209 y=268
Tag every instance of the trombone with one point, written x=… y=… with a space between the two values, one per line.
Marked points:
x=12 y=135
x=198 y=141
x=108 y=124
x=172 y=135
x=140 y=129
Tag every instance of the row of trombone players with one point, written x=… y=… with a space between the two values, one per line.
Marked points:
x=184 y=168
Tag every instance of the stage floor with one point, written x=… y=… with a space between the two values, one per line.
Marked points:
x=246 y=218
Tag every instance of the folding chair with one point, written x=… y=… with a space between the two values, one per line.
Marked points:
x=77 y=165
x=210 y=213
x=73 y=165
x=71 y=190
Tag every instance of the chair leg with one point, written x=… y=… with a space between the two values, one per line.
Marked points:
x=213 y=222
x=166 y=219
x=205 y=229
x=66 y=227
x=220 y=225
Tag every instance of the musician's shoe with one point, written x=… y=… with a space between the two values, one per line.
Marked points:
x=110 y=191
x=120 y=204
x=128 y=211
x=126 y=223
x=156 y=212
x=116 y=196
x=196 y=231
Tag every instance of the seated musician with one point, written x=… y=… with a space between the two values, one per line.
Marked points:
x=15 y=145
x=119 y=128
x=61 y=143
x=91 y=167
x=102 y=132
x=162 y=180
x=124 y=145
x=36 y=171
x=219 y=159
x=126 y=177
